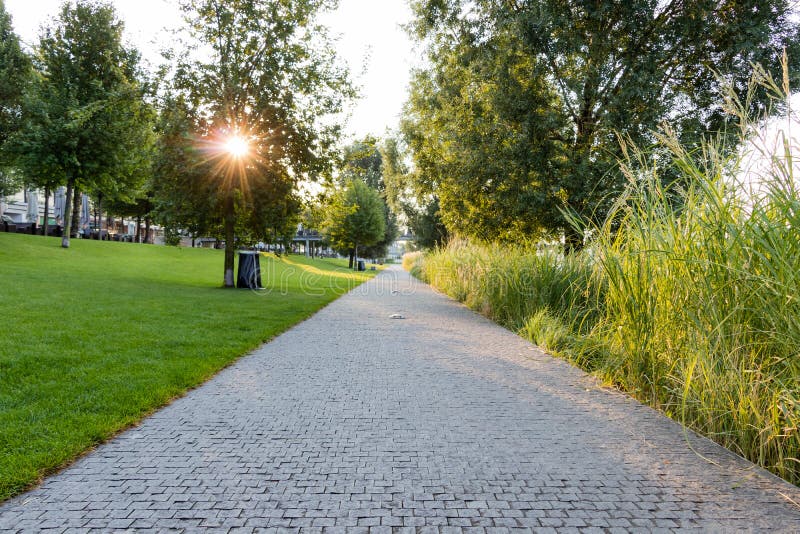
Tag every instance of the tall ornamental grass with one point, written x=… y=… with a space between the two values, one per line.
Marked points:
x=688 y=296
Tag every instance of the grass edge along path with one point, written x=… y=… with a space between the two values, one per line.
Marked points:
x=96 y=337
x=745 y=398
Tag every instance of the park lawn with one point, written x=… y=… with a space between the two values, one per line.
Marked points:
x=95 y=337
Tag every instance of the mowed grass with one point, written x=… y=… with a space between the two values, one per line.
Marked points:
x=95 y=337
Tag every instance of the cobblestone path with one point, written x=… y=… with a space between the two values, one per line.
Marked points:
x=437 y=422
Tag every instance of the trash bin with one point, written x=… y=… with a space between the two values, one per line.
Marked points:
x=362 y=265
x=249 y=274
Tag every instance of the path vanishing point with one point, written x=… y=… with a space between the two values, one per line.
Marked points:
x=438 y=422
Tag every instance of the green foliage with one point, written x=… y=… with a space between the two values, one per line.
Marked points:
x=512 y=283
x=151 y=325
x=516 y=118
x=381 y=248
x=15 y=74
x=184 y=197
x=354 y=216
x=426 y=225
x=362 y=161
x=10 y=181
x=395 y=175
x=686 y=297
x=417 y=209
x=272 y=79
x=172 y=236
x=86 y=123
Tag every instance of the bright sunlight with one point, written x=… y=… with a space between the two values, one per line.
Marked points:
x=237 y=146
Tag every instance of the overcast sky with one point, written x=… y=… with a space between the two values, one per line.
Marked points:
x=367 y=29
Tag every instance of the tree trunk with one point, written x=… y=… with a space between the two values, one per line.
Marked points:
x=138 y=237
x=229 y=244
x=352 y=254
x=76 y=207
x=46 y=226
x=67 y=216
x=99 y=219
x=147 y=239
x=355 y=257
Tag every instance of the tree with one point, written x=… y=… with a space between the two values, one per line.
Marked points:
x=395 y=174
x=271 y=80
x=517 y=118
x=354 y=216
x=380 y=248
x=418 y=209
x=363 y=161
x=86 y=123
x=15 y=73
x=137 y=204
x=426 y=225
x=183 y=198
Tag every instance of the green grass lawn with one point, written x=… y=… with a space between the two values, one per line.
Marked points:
x=95 y=337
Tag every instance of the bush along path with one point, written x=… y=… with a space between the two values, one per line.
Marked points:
x=354 y=418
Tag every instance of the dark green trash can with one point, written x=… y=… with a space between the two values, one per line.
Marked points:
x=362 y=265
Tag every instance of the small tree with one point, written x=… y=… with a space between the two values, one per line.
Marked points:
x=354 y=217
x=426 y=224
x=381 y=248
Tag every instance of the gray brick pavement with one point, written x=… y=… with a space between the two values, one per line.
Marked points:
x=441 y=422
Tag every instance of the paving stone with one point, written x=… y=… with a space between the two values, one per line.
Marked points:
x=444 y=422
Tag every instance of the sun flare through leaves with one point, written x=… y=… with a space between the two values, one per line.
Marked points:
x=237 y=146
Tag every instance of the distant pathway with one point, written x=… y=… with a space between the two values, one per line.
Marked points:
x=441 y=419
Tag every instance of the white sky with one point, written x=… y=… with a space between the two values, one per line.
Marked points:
x=367 y=29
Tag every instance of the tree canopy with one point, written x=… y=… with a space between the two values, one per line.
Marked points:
x=364 y=160
x=518 y=115
x=15 y=74
x=271 y=80
x=354 y=217
x=86 y=124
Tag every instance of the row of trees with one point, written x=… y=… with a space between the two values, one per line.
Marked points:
x=353 y=212
x=388 y=201
x=80 y=112
x=514 y=125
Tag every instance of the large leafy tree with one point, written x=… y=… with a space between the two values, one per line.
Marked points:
x=15 y=74
x=270 y=81
x=517 y=116
x=86 y=123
